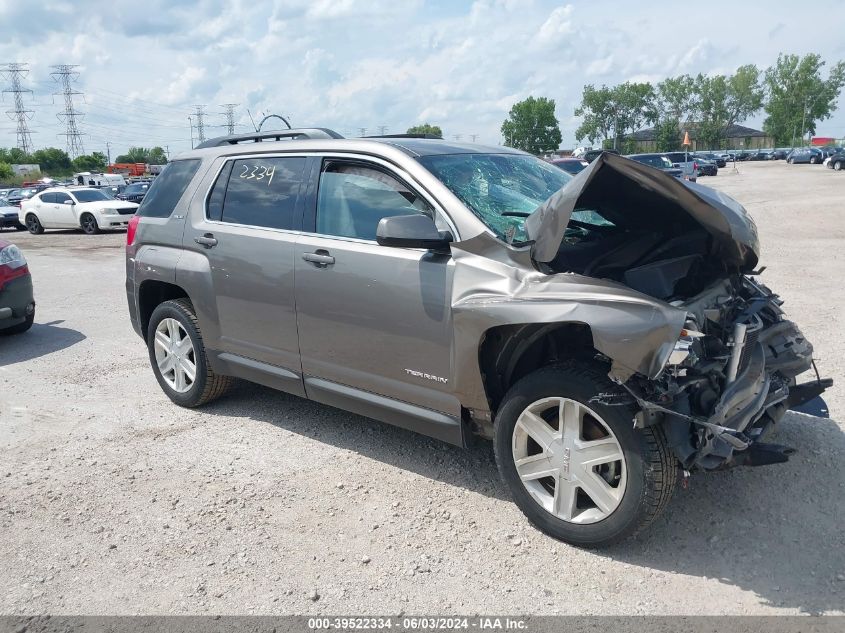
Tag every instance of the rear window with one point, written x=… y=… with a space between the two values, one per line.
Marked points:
x=261 y=192
x=167 y=188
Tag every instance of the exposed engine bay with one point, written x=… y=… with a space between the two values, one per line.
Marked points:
x=729 y=378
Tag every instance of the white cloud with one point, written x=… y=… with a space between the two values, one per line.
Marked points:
x=354 y=63
x=556 y=26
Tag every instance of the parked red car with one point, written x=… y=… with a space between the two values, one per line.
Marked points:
x=17 y=303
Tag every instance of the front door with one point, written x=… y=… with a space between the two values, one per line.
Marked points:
x=245 y=231
x=374 y=321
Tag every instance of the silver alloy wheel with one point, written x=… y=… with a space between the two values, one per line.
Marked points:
x=175 y=356
x=569 y=460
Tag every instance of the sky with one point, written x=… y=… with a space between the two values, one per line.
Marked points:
x=352 y=64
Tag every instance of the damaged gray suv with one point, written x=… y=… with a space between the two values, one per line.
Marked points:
x=608 y=331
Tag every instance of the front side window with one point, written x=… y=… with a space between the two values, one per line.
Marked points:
x=501 y=189
x=60 y=197
x=352 y=198
x=263 y=191
x=48 y=198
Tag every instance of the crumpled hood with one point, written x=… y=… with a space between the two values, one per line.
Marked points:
x=645 y=188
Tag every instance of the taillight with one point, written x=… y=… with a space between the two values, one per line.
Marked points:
x=130 y=230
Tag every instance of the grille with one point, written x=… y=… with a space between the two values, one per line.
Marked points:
x=126 y=211
x=751 y=336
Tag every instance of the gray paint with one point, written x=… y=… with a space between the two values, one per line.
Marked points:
x=380 y=322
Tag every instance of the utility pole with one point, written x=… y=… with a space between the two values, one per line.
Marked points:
x=14 y=72
x=229 y=112
x=474 y=137
x=199 y=113
x=457 y=137
x=108 y=152
x=362 y=131
x=382 y=129
x=66 y=75
x=191 y=123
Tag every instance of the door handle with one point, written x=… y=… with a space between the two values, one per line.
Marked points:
x=207 y=240
x=321 y=258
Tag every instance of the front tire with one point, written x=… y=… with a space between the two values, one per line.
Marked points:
x=89 y=224
x=178 y=358
x=837 y=166
x=33 y=224
x=578 y=469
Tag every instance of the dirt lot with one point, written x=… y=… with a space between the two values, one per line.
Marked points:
x=114 y=501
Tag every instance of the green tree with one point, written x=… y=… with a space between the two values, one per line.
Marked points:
x=96 y=162
x=134 y=155
x=667 y=135
x=611 y=112
x=6 y=172
x=53 y=161
x=724 y=101
x=156 y=156
x=798 y=97
x=532 y=126
x=15 y=156
x=426 y=128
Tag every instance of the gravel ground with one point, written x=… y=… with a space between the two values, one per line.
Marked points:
x=115 y=501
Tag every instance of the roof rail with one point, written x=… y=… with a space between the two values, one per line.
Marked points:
x=405 y=136
x=258 y=137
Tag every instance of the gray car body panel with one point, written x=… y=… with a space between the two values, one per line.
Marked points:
x=395 y=333
x=722 y=216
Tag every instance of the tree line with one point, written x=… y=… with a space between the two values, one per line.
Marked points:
x=793 y=94
x=56 y=162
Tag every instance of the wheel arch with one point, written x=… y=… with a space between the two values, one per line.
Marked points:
x=151 y=294
x=507 y=353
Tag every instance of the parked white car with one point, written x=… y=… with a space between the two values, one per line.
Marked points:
x=67 y=208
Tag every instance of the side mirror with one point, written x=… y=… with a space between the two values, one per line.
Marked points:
x=412 y=231
x=70 y=202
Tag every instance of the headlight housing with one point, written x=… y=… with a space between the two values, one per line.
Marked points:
x=682 y=346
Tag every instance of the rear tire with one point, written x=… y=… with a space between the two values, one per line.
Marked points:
x=837 y=166
x=647 y=471
x=205 y=385
x=20 y=227
x=33 y=224
x=89 y=224
x=791 y=161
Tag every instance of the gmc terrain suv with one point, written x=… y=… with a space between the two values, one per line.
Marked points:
x=607 y=331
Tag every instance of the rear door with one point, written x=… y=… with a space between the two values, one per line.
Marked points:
x=245 y=233
x=44 y=207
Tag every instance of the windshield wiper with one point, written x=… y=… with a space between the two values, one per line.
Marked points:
x=518 y=214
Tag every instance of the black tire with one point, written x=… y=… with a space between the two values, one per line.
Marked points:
x=33 y=224
x=791 y=161
x=20 y=227
x=207 y=385
x=651 y=467
x=89 y=224
x=20 y=328
x=837 y=165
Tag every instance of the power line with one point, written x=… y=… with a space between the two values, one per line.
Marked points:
x=14 y=72
x=229 y=112
x=66 y=75
x=199 y=113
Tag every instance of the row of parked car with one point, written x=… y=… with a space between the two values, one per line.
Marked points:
x=90 y=208
x=692 y=165
x=686 y=165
